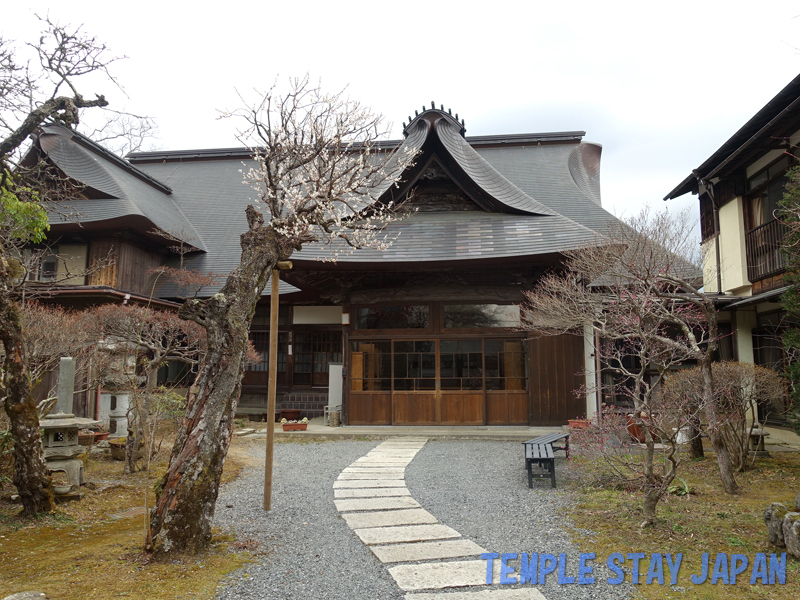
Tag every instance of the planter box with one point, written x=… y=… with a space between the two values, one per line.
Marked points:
x=295 y=426
x=290 y=414
x=578 y=423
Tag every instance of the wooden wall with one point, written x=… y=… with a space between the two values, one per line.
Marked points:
x=556 y=371
x=370 y=408
x=130 y=269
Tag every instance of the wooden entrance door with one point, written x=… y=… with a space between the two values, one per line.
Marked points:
x=414 y=383
x=462 y=399
x=456 y=381
x=438 y=382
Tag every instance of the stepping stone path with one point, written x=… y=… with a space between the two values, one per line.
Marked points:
x=373 y=499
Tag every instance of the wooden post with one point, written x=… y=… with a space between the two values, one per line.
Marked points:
x=274 y=301
x=273 y=376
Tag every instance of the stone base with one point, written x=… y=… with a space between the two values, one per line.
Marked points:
x=71 y=497
x=73 y=468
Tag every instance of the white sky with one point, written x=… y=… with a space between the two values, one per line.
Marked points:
x=659 y=85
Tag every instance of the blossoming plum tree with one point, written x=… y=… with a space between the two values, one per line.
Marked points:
x=317 y=175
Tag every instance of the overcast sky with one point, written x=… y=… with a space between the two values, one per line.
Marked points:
x=659 y=85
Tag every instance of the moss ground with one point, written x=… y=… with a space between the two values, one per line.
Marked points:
x=706 y=520
x=81 y=552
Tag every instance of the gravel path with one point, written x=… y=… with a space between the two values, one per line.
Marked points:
x=478 y=488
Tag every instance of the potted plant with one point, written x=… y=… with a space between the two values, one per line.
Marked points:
x=579 y=423
x=99 y=436
x=295 y=425
x=86 y=437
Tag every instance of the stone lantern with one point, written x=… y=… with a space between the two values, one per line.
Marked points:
x=61 y=448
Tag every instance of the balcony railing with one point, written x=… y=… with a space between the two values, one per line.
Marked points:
x=763 y=247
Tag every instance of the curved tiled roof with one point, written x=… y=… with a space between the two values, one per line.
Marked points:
x=563 y=177
x=467 y=235
x=131 y=193
x=484 y=175
x=535 y=196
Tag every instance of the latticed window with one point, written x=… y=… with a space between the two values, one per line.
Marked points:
x=313 y=353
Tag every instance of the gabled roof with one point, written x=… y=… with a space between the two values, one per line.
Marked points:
x=510 y=224
x=438 y=136
x=767 y=130
x=121 y=194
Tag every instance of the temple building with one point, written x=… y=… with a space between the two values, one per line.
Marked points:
x=428 y=331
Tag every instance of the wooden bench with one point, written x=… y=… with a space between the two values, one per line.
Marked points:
x=541 y=451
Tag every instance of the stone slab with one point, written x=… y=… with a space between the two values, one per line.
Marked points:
x=344 y=476
x=381 y=463
x=375 y=503
x=409 y=456
x=371 y=492
x=369 y=483
x=385 y=455
x=416 y=445
x=437 y=576
x=389 y=518
x=502 y=594
x=427 y=551
x=373 y=470
x=409 y=533
x=126 y=514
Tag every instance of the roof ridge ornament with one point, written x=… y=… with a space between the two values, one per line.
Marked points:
x=448 y=114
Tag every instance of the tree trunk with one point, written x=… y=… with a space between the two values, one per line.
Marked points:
x=180 y=521
x=695 y=439
x=31 y=478
x=651 y=498
x=723 y=458
x=137 y=430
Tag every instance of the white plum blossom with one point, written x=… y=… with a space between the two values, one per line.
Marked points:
x=320 y=169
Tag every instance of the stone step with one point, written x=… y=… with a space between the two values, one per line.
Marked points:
x=371 y=492
x=389 y=518
x=408 y=533
x=385 y=476
x=493 y=594
x=369 y=483
x=427 y=551
x=437 y=576
x=399 y=464
x=352 y=504
x=373 y=469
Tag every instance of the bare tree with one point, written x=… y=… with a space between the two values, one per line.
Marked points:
x=33 y=91
x=123 y=132
x=153 y=338
x=52 y=332
x=638 y=289
x=741 y=391
x=317 y=177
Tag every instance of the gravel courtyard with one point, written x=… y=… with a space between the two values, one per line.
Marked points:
x=478 y=488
